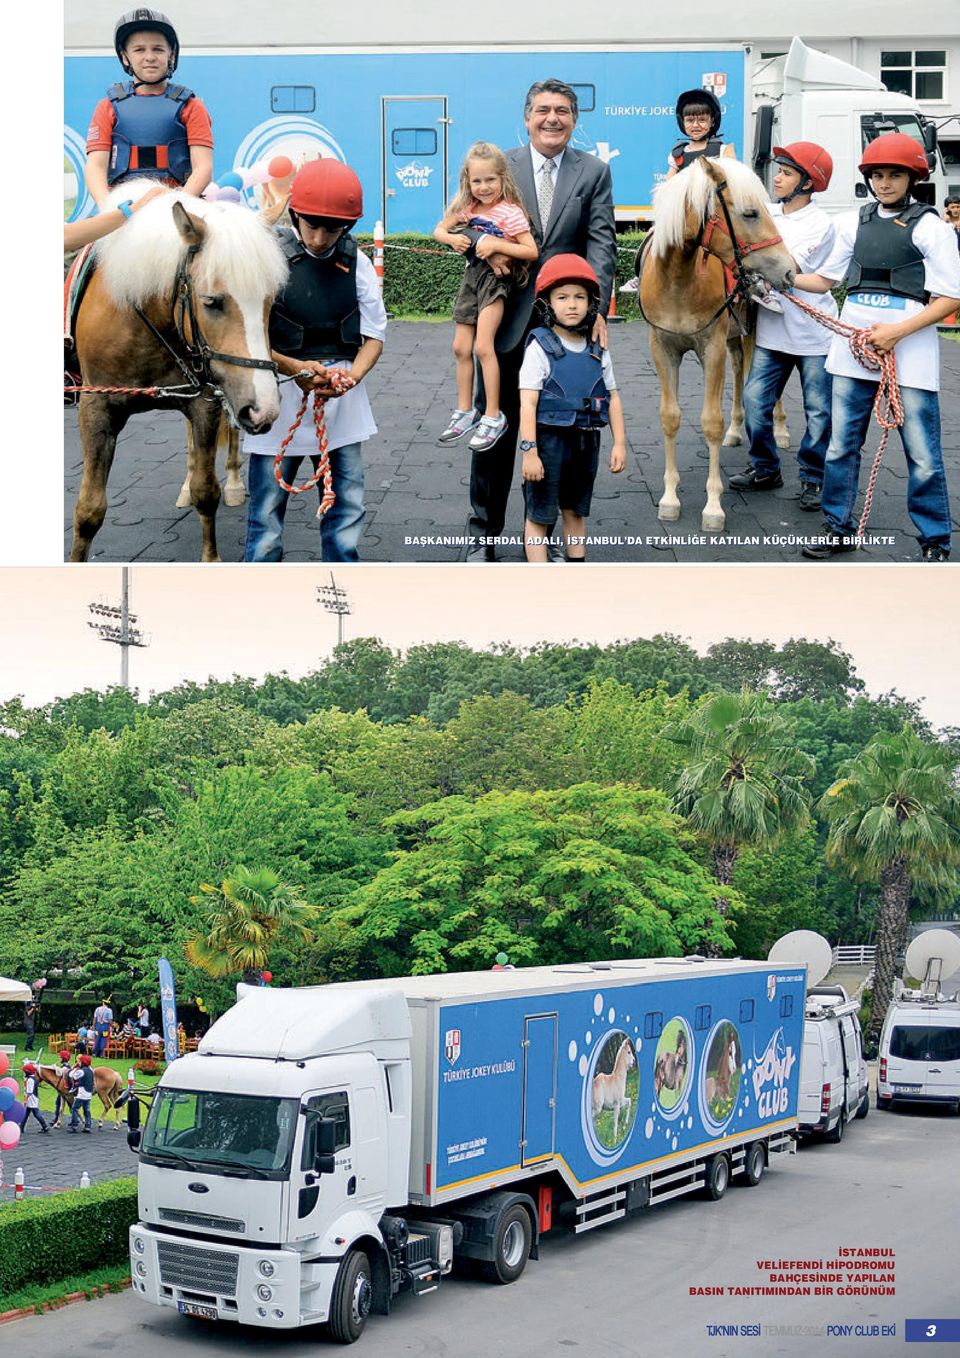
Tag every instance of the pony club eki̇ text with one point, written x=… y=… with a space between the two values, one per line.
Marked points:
x=900 y=265
x=488 y=225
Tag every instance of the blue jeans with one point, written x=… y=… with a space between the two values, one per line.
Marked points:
x=81 y=1110
x=769 y=373
x=927 y=502
x=340 y=527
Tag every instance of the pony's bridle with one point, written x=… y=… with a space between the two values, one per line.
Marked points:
x=736 y=274
x=197 y=355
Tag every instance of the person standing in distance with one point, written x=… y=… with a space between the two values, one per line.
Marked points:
x=568 y=196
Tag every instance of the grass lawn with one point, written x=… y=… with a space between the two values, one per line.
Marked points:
x=108 y=1278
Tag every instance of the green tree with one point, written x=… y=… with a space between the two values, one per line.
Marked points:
x=616 y=735
x=743 y=779
x=894 y=816
x=249 y=911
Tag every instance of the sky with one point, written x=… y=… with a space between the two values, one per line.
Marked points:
x=898 y=622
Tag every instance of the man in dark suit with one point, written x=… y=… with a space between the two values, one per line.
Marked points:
x=569 y=199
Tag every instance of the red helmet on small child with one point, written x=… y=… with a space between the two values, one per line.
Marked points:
x=29 y=1068
x=327 y=188
x=898 y=150
x=566 y=269
x=83 y=1059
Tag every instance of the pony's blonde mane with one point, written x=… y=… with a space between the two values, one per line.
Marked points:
x=693 y=191
x=139 y=260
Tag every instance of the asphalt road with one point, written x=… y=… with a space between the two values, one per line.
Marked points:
x=417 y=493
x=623 y=1291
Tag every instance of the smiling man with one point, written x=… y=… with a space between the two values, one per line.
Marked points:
x=568 y=197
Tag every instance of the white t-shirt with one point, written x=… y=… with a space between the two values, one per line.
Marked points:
x=918 y=356
x=349 y=418
x=535 y=368
x=809 y=235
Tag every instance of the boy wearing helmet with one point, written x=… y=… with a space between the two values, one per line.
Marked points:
x=567 y=394
x=698 y=117
x=329 y=314
x=81 y=1077
x=145 y=126
x=787 y=338
x=31 y=1097
x=901 y=270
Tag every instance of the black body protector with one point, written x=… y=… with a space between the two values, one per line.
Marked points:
x=885 y=258
x=317 y=315
x=681 y=157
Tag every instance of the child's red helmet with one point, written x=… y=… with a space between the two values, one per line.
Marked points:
x=898 y=150
x=327 y=188
x=84 y=1059
x=810 y=159
x=29 y=1068
x=566 y=269
x=64 y=1056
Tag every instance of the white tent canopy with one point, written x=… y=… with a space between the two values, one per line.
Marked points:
x=14 y=990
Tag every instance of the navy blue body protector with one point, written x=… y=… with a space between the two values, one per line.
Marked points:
x=317 y=315
x=150 y=125
x=574 y=392
x=885 y=258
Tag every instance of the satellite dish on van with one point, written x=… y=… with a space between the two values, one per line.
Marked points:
x=932 y=956
x=804 y=947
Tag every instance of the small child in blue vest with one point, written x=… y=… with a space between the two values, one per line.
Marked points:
x=567 y=394
x=145 y=126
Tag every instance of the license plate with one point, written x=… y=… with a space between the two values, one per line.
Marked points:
x=190 y=1308
x=907 y=1089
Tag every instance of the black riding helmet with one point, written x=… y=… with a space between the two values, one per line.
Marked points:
x=143 y=21
x=709 y=101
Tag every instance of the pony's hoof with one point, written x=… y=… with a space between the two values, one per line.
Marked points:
x=668 y=511
x=712 y=522
x=183 y=499
x=782 y=441
x=732 y=439
x=234 y=496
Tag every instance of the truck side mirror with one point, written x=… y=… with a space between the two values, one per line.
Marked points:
x=133 y=1114
x=930 y=139
x=325 y=1161
x=133 y=1140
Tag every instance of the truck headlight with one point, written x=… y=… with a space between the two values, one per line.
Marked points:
x=141 y=1269
x=267 y=1269
x=139 y=1245
x=264 y=1292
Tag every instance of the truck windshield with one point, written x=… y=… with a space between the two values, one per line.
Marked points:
x=225 y=1133
x=915 y=1043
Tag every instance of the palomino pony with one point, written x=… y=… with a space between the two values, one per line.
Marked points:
x=179 y=303
x=693 y=279
x=610 y=1091
x=108 y=1085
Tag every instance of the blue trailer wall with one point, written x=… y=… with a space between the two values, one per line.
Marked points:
x=639 y=1073
x=265 y=104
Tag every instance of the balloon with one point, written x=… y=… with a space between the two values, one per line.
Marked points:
x=230 y=180
x=267 y=977
x=7 y=1099
x=257 y=174
x=10 y=1083
x=211 y=193
x=15 y=1114
x=4 y=1063
x=280 y=167
x=229 y=195
x=9 y=1136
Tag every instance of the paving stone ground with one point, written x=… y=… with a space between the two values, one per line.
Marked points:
x=417 y=490
x=58 y=1159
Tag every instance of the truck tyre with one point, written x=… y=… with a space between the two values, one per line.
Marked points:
x=864 y=1108
x=754 y=1163
x=718 y=1177
x=352 y=1295
x=512 y=1247
x=835 y=1134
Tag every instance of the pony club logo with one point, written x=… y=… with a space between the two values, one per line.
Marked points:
x=770 y=1076
x=771 y=986
x=451 y=1045
x=414 y=176
x=715 y=81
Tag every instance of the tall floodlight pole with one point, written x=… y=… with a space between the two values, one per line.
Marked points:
x=119 y=626
x=334 y=600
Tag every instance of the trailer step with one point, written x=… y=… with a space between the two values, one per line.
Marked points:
x=601 y=1208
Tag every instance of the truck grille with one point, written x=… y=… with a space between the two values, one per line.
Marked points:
x=203 y=1220
x=199 y=1270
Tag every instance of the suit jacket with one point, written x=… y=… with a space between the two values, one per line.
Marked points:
x=581 y=222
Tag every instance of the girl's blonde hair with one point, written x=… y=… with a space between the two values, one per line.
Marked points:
x=485 y=150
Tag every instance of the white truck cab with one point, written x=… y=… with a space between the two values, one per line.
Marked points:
x=833 y=1069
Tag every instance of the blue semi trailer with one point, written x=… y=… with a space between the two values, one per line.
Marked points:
x=384 y=1129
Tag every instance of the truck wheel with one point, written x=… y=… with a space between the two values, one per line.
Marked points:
x=512 y=1247
x=350 y=1303
x=864 y=1108
x=718 y=1177
x=755 y=1162
x=835 y=1134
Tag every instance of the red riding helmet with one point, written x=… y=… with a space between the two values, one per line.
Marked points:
x=898 y=150
x=145 y=21
x=83 y=1059
x=566 y=269
x=29 y=1068
x=64 y=1056
x=327 y=188
x=810 y=159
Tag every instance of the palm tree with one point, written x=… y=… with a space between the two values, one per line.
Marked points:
x=894 y=815
x=251 y=909
x=743 y=779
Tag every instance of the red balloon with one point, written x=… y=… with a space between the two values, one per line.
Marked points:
x=267 y=976
x=280 y=167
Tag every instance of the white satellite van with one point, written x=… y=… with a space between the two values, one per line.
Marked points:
x=833 y=1070
x=919 y=1056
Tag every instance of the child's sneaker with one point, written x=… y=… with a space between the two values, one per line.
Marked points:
x=461 y=422
x=490 y=428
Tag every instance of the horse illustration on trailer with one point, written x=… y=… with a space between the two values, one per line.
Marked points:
x=610 y=1091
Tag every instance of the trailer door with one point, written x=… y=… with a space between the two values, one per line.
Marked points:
x=414 y=161
x=539 y=1087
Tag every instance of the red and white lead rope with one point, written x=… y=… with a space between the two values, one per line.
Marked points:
x=887 y=405
x=342 y=382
